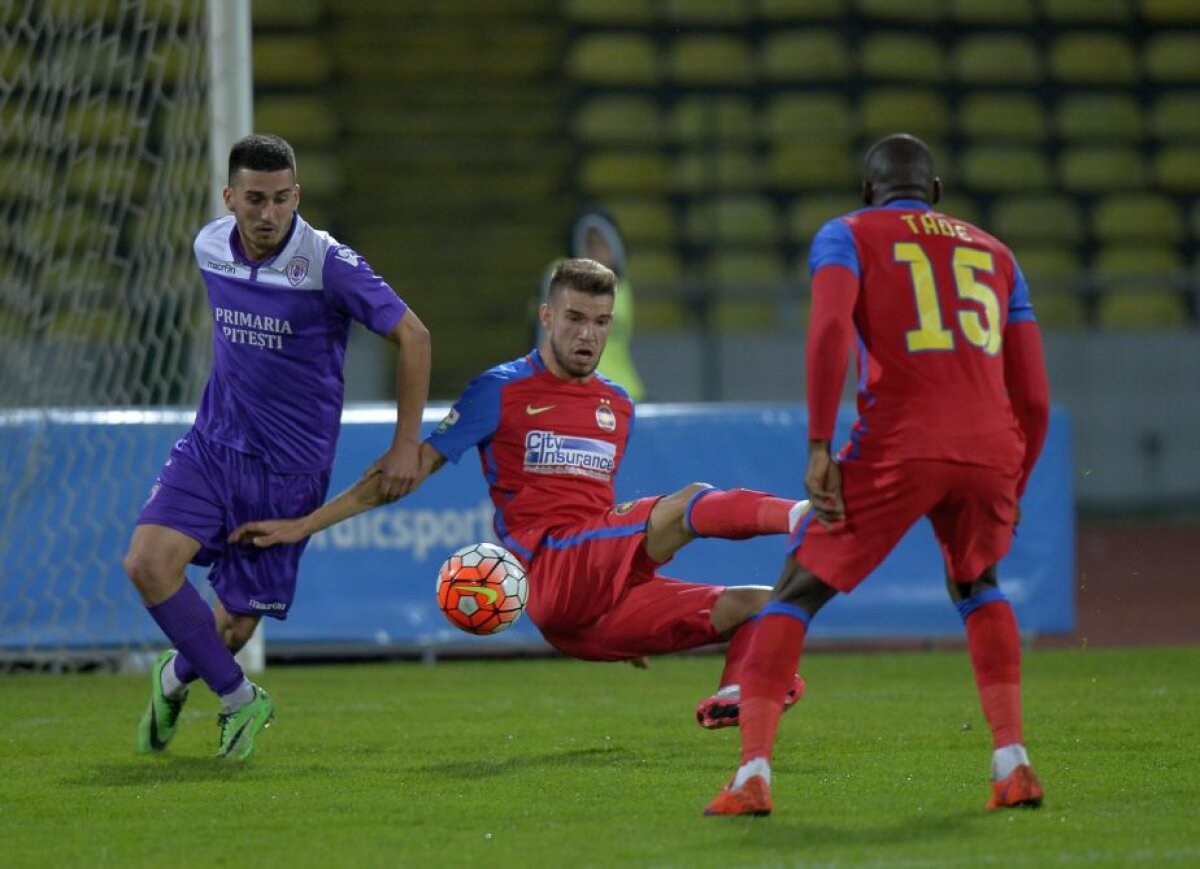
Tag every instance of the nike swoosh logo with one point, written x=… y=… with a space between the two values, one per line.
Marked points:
x=534 y=411
x=237 y=737
x=490 y=593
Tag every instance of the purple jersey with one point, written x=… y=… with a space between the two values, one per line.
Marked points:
x=279 y=340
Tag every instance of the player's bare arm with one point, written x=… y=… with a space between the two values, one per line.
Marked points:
x=399 y=467
x=366 y=494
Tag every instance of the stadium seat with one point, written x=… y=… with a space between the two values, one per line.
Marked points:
x=823 y=116
x=812 y=167
x=916 y=11
x=909 y=57
x=1142 y=309
x=101 y=123
x=1098 y=117
x=614 y=59
x=1097 y=169
x=608 y=172
x=305 y=120
x=292 y=60
x=706 y=170
x=1176 y=116
x=711 y=60
x=655 y=267
x=610 y=12
x=1138 y=264
x=1072 y=12
x=1040 y=218
x=992 y=11
x=996 y=169
x=644 y=221
x=734 y=221
x=775 y=11
x=808 y=214
x=287 y=14
x=985 y=116
x=1044 y=264
x=1177 y=169
x=957 y=205
x=1140 y=289
x=618 y=120
x=1173 y=58
x=1093 y=58
x=810 y=55
x=1171 y=11
x=997 y=59
x=1137 y=217
x=890 y=110
x=705 y=12
x=703 y=119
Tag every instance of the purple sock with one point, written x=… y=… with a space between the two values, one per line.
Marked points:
x=184 y=671
x=190 y=626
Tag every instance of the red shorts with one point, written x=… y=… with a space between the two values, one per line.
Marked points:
x=972 y=508
x=595 y=594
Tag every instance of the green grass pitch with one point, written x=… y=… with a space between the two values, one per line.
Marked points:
x=561 y=763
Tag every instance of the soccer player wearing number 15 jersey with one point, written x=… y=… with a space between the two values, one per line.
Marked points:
x=953 y=408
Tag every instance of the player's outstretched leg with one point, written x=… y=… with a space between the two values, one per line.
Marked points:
x=239 y=727
x=723 y=708
x=157 y=727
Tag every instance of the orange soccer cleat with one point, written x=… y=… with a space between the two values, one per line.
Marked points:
x=1021 y=788
x=752 y=798
x=724 y=708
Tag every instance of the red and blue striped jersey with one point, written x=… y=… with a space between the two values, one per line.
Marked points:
x=549 y=448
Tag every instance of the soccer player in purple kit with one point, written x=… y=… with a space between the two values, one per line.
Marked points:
x=282 y=294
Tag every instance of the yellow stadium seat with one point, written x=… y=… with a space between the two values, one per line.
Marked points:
x=734 y=221
x=1171 y=11
x=1053 y=265
x=807 y=215
x=1142 y=309
x=812 y=167
x=904 y=110
x=608 y=172
x=1177 y=168
x=705 y=12
x=1112 y=116
x=614 y=59
x=1087 y=11
x=1140 y=289
x=985 y=116
x=298 y=14
x=1173 y=58
x=302 y=119
x=995 y=168
x=1100 y=168
x=997 y=59
x=823 y=116
x=918 y=11
x=1038 y=218
x=707 y=170
x=1176 y=116
x=609 y=12
x=992 y=11
x=291 y=60
x=658 y=314
x=812 y=54
x=711 y=60
x=1093 y=58
x=618 y=119
x=800 y=10
x=957 y=205
x=901 y=57
x=1137 y=217
x=701 y=119
x=644 y=221
x=1154 y=264
x=1059 y=310
x=656 y=267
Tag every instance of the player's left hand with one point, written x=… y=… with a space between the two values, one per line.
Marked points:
x=269 y=532
x=398 y=469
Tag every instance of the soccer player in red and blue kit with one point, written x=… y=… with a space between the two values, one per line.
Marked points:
x=551 y=434
x=283 y=295
x=953 y=408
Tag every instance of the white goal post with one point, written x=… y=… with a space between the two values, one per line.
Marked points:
x=116 y=117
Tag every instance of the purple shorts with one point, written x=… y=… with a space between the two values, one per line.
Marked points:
x=206 y=490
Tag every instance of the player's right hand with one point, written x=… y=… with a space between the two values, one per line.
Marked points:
x=824 y=483
x=269 y=532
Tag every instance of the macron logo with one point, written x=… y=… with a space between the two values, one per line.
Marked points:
x=348 y=256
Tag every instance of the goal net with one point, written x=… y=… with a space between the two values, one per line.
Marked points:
x=104 y=333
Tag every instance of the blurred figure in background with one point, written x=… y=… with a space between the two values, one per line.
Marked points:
x=594 y=235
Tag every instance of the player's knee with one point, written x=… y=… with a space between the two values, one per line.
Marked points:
x=237 y=633
x=145 y=571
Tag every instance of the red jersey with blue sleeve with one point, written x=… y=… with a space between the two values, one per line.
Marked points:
x=549 y=447
x=931 y=297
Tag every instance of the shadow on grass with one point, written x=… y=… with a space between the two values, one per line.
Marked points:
x=794 y=837
x=141 y=772
x=576 y=758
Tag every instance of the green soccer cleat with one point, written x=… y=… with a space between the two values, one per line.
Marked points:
x=240 y=727
x=158 y=723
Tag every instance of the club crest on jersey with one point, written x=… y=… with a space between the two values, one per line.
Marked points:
x=297 y=270
x=550 y=453
x=624 y=507
x=605 y=418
